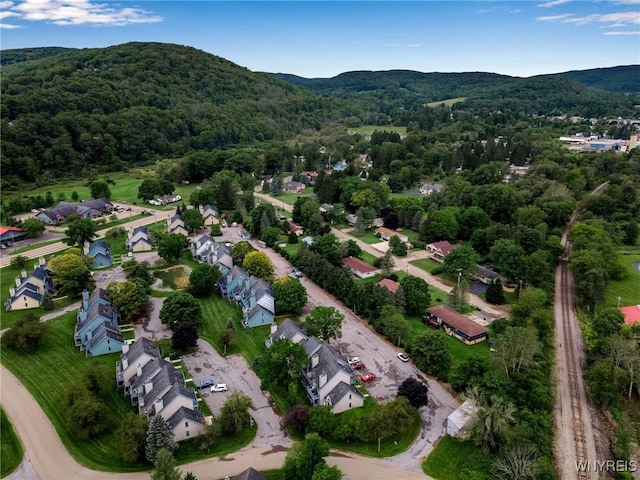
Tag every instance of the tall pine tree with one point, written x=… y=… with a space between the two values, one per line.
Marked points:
x=159 y=436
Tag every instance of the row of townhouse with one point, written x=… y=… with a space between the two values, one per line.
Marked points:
x=156 y=387
x=88 y=209
x=254 y=295
x=97 y=331
x=327 y=377
x=30 y=288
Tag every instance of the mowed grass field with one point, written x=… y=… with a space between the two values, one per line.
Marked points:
x=447 y=103
x=449 y=457
x=628 y=289
x=367 y=130
x=291 y=197
x=11 y=451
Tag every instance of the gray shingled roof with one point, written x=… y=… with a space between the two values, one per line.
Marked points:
x=140 y=347
x=184 y=413
x=250 y=474
x=99 y=309
x=311 y=345
x=340 y=390
x=287 y=329
x=103 y=331
x=329 y=362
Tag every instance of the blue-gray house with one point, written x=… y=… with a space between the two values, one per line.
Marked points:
x=100 y=252
x=97 y=331
x=252 y=294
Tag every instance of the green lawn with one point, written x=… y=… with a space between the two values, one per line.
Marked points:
x=32 y=246
x=117 y=245
x=291 y=197
x=447 y=460
x=628 y=289
x=368 y=258
x=175 y=278
x=426 y=264
x=11 y=451
x=367 y=130
x=448 y=102
x=292 y=248
x=367 y=237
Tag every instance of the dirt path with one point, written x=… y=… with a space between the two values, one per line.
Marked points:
x=49 y=460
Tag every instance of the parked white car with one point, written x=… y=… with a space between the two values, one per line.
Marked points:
x=220 y=387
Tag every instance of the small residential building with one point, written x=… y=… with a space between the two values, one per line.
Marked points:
x=100 y=252
x=309 y=177
x=455 y=324
x=250 y=474
x=175 y=225
x=631 y=314
x=308 y=241
x=88 y=209
x=387 y=233
x=97 y=331
x=254 y=295
x=458 y=424
x=210 y=215
x=134 y=357
x=295 y=228
x=30 y=289
x=329 y=380
x=485 y=275
x=351 y=219
x=287 y=330
x=325 y=207
x=429 y=188
x=8 y=235
x=359 y=268
x=438 y=251
x=207 y=250
x=389 y=284
x=139 y=240
x=296 y=187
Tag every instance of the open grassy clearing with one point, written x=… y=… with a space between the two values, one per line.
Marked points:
x=11 y=450
x=367 y=130
x=368 y=258
x=367 y=237
x=291 y=197
x=628 y=289
x=292 y=248
x=447 y=103
x=448 y=459
x=176 y=278
x=426 y=264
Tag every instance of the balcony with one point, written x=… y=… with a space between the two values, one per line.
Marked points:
x=310 y=386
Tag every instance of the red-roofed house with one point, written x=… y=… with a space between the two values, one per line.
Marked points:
x=456 y=324
x=439 y=250
x=359 y=268
x=389 y=284
x=9 y=234
x=631 y=314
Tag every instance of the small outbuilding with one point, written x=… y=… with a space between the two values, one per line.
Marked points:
x=459 y=423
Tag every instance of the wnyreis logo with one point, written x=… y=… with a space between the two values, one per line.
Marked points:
x=607 y=466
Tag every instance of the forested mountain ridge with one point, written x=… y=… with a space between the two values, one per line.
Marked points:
x=544 y=94
x=621 y=79
x=113 y=107
x=21 y=55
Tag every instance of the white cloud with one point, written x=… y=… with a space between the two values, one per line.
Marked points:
x=621 y=32
x=553 y=3
x=619 y=19
x=79 y=12
x=626 y=2
x=8 y=26
x=555 y=18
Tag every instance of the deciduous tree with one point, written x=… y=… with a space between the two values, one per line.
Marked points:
x=291 y=295
x=26 y=335
x=416 y=392
x=203 y=279
x=79 y=230
x=32 y=227
x=516 y=349
x=239 y=251
x=171 y=246
x=192 y=219
x=234 y=414
x=185 y=336
x=430 y=351
x=180 y=307
x=416 y=293
x=494 y=293
x=324 y=323
x=100 y=189
x=463 y=260
x=130 y=297
x=281 y=363
x=259 y=264
x=305 y=457
x=130 y=437
x=164 y=466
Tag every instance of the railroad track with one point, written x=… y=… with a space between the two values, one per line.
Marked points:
x=573 y=369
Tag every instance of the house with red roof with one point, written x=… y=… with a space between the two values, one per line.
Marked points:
x=455 y=324
x=359 y=268
x=389 y=284
x=631 y=314
x=9 y=235
x=438 y=251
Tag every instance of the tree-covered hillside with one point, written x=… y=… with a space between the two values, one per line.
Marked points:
x=622 y=79
x=113 y=107
x=21 y=55
x=407 y=89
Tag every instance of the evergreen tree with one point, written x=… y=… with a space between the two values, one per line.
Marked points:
x=494 y=293
x=387 y=263
x=47 y=302
x=159 y=436
x=458 y=296
x=164 y=467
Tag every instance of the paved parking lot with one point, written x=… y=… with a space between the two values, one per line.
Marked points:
x=235 y=372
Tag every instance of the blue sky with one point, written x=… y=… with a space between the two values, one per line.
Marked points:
x=323 y=39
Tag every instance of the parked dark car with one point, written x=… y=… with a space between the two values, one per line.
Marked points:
x=205 y=383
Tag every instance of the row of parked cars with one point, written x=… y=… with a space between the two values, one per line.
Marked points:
x=215 y=387
x=356 y=364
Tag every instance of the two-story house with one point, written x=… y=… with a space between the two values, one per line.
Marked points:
x=97 y=331
x=133 y=357
x=100 y=252
x=175 y=224
x=30 y=288
x=438 y=251
x=139 y=240
x=207 y=250
x=210 y=215
x=255 y=297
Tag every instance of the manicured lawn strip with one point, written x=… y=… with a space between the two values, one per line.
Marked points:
x=366 y=237
x=368 y=258
x=117 y=245
x=190 y=451
x=11 y=451
x=447 y=103
x=33 y=246
x=50 y=371
x=426 y=264
x=292 y=248
x=369 y=129
x=447 y=460
x=388 y=447
x=291 y=197
x=628 y=289
x=121 y=221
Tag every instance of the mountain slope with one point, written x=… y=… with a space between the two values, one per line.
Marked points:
x=137 y=102
x=622 y=79
x=21 y=55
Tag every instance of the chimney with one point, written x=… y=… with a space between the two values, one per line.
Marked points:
x=12 y=292
x=125 y=349
x=139 y=370
x=158 y=405
x=85 y=296
x=322 y=379
x=315 y=359
x=18 y=282
x=274 y=327
x=41 y=261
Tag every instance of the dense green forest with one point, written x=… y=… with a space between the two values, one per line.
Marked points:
x=623 y=79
